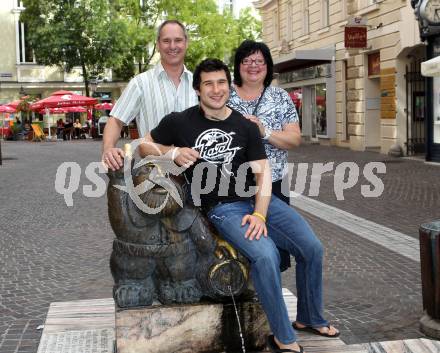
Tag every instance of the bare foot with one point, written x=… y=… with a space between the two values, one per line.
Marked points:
x=329 y=331
x=293 y=346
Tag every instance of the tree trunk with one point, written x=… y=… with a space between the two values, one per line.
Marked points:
x=86 y=79
x=151 y=56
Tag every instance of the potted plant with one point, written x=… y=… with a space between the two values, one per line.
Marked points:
x=16 y=130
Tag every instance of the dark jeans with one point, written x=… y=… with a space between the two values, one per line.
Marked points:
x=284 y=255
x=287 y=230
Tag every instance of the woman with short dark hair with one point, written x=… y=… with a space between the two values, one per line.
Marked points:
x=273 y=111
x=271 y=108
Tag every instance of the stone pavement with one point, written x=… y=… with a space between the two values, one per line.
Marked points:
x=371 y=292
x=50 y=252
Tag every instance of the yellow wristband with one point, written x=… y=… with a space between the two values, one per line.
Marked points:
x=260 y=216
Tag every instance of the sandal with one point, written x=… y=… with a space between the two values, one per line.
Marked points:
x=276 y=349
x=315 y=331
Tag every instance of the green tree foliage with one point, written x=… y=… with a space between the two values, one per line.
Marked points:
x=121 y=34
x=211 y=34
x=248 y=26
x=141 y=18
x=71 y=33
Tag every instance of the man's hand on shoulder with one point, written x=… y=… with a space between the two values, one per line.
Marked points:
x=113 y=158
x=257 y=227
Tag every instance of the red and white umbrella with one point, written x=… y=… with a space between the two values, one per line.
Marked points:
x=54 y=111
x=76 y=109
x=104 y=106
x=63 y=99
x=6 y=109
x=15 y=104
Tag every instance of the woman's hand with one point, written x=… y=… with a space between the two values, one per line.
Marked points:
x=256 y=229
x=257 y=121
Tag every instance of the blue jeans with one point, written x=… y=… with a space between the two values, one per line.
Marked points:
x=289 y=231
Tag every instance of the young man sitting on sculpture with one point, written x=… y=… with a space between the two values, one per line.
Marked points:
x=226 y=161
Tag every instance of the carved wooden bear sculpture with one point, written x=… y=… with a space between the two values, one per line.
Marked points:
x=172 y=256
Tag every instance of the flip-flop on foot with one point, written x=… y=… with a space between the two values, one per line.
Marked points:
x=315 y=331
x=276 y=349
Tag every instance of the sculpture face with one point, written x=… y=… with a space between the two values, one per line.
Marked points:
x=158 y=186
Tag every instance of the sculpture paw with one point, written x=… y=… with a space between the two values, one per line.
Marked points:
x=134 y=294
x=180 y=292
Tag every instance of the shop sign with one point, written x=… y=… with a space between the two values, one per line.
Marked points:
x=355 y=37
x=374 y=64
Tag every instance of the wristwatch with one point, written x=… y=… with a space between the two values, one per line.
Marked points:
x=267 y=133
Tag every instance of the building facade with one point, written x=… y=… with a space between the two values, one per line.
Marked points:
x=19 y=72
x=367 y=98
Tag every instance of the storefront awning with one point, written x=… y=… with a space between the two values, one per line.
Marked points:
x=431 y=67
x=300 y=59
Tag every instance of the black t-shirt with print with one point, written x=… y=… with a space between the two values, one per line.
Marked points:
x=225 y=147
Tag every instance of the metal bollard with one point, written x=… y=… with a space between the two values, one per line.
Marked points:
x=429 y=235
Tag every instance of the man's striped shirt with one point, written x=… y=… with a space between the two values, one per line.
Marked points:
x=151 y=95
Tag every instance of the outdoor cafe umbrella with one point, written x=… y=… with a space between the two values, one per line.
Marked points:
x=104 y=106
x=54 y=111
x=15 y=104
x=61 y=99
x=76 y=109
x=5 y=109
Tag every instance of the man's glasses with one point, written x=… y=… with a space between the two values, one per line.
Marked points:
x=248 y=62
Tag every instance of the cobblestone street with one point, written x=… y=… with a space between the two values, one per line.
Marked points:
x=51 y=252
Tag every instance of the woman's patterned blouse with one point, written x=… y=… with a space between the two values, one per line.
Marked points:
x=275 y=110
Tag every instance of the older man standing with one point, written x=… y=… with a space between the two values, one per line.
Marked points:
x=151 y=95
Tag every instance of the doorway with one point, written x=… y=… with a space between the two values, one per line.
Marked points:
x=310 y=103
x=372 y=112
x=415 y=109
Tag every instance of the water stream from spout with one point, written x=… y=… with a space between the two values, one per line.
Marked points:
x=243 y=349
